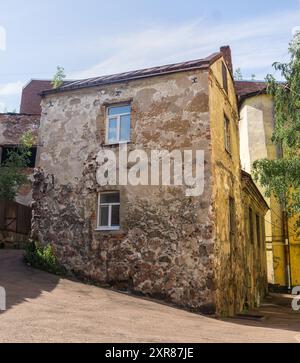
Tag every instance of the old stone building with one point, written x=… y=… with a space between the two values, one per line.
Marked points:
x=195 y=251
x=257 y=124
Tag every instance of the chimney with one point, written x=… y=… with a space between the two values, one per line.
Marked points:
x=226 y=51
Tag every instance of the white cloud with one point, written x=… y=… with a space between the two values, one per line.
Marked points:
x=11 y=89
x=256 y=44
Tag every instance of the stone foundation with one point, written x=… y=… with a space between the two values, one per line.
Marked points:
x=161 y=250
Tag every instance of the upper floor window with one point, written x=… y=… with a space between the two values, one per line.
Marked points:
x=109 y=211
x=232 y=218
x=227 y=136
x=6 y=150
x=224 y=77
x=118 y=124
x=258 y=230
x=251 y=227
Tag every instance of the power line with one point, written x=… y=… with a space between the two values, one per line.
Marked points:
x=274 y=225
x=281 y=219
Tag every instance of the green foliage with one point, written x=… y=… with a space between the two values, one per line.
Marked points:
x=43 y=258
x=12 y=176
x=281 y=177
x=58 y=78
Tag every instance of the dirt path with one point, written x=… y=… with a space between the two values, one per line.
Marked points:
x=43 y=308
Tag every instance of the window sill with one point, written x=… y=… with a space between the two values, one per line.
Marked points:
x=107 y=233
x=108 y=229
x=117 y=143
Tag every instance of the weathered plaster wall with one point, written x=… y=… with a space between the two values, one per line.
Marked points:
x=231 y=266
x=294 y=241
x=257 y=116
x=255 y=249
x=165 y=246
x=12 y=128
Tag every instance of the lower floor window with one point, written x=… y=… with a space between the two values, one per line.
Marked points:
x=109 y=211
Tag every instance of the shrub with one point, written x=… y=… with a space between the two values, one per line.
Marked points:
x=43 y=258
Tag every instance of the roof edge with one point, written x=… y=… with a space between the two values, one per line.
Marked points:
x=246 y=176
x=19 y=114
x=203 y=64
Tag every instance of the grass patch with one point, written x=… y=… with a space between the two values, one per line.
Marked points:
x=43 y=258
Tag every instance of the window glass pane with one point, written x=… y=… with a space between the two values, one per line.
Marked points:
x=232 y=215
x=125 y=128
x=251 y=226
x=115 y=215
x=119 y=110
x=104 y=216
x=227 y=135
x=258 y=229
x=109 y=198
x=112 y=129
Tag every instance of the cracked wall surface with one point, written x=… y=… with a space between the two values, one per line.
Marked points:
x=170 y=246
x=165 y=247
x=240 y=270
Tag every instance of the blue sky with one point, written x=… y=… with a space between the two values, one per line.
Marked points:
x=96 y=37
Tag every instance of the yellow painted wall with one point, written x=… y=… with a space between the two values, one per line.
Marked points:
x=294 y=239
x=256 y=129
x=231 y=267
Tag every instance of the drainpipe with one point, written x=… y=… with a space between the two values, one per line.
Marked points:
x=287 y=250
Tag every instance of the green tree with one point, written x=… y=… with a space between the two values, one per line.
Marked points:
x=59 y=77
x=281 y=177
x=12 y=175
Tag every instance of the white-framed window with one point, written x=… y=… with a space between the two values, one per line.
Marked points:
x=109 y=211
x=118 y=124
x=227 y=135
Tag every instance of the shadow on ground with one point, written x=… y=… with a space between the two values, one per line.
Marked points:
x=20 y=281
x=83 y=313
x=276 y=313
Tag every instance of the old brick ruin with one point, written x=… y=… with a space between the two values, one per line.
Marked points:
x=170 y=246
x=12 y=127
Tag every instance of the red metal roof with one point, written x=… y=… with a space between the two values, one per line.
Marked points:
x=246 y=89
x=134 y=75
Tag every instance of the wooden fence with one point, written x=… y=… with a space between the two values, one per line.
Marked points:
x=15 y=217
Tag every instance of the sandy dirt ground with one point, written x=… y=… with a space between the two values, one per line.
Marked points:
x=45 y=308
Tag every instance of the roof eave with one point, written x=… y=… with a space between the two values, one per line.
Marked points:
x=247 y=178
x=205 y=64
x=251 y=94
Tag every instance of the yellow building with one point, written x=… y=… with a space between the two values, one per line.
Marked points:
x=256 y=129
